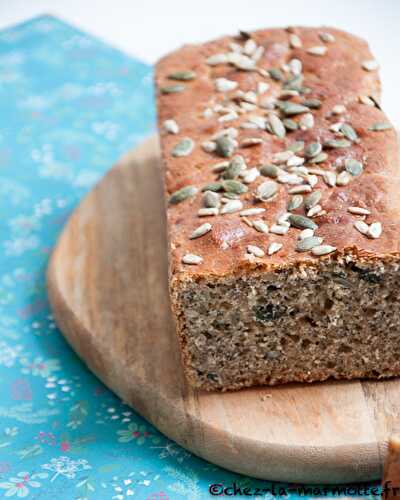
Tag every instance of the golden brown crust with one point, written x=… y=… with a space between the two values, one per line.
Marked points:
x=334 y=78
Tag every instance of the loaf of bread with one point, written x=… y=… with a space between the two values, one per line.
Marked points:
x=283 y=193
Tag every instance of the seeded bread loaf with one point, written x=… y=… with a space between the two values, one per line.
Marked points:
x=281 y=175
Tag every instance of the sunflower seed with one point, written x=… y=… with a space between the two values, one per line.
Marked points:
x=377 y=127
x=364 y=99
x=211 y=199
x=256 y=251
x=359 y=210
x=251 y=141
x=232 y=206
x=337 y=143
x=206 y=212
x=217 y=59
x=266 y=190
x=241 y=61
x=295 y=161
x=306 y=244
x=201 y=231
x=312 y=180
x=292 y=108
x=274 y=247
x=349 y=132
x=228 y=117
x=339 y=109
x=231 y=132
x=251 y=175
x=259 y=121
x=304 y=188
x=321 y=157
x=229 y=196
x=182 y=194
x=302 y=222
x=260 y=226
x=269 y=171
x=279 y=229
x=236 y=187
x=295 y=202
x=262 y=87
x=277 y=126
x=182 y=75
x=183 y=148
x=323 y=250
x=172 y=89
x=306 y=233
x=290 y=124
x=312 y=103
x=219 y=167
x=370 y=65
x=192 y=259
x=292 y=179
x=295 y=41
x=330 y=178
x=296 y=147
x=171 y=126
x=326 y=37
x=225 y=146
x=251 y=211
x=306 y=121
x=283 y=219
x=343 y=178
x=361 y=226
x=353 y=167
x=375 y=230
x=276 y=74
x=312 y=199
x=316 y=210
x=295 y=66
x=225 y=85
x=282 y=157
x=318 y=50
x=247 y=221
x=209 y=146
x=236 y=165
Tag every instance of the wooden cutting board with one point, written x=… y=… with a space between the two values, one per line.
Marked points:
x=107 y=283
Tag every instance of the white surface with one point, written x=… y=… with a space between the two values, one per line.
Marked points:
x=150 y=28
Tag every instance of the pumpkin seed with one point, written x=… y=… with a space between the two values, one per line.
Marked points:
x=361 y=226
x=211 y=199
x=295 y=202
x=302 y=222
x=172 y=89
x=312 y=103
x=277 y=126
x=312 y=150
x=353 y=167
x=295 y=41
x=225 y=146
x=183 y=76
x=269 y=171
x=182 y=194
x=296 y=146
x=236 y=165
x=321 y=157
x=337 y=143
x=292 y=108
x=183 y=148
x=349 y=132
x=236 y=187
x=290 y=124
x=266 y=190
x=201 y=231
x=312 y=199
x=375 y=230
x=213 y=186
x=318 y=50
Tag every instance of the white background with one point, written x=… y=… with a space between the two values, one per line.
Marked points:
x=150 y=28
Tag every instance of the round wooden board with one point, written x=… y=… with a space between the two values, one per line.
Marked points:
x=107 y=283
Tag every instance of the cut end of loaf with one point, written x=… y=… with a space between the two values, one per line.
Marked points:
x=335 y=318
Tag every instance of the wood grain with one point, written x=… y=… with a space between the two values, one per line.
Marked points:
x=107 y=283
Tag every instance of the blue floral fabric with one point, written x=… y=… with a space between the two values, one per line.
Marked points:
x=69 y=107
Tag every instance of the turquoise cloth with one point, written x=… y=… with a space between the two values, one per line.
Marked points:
x=69 y=107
